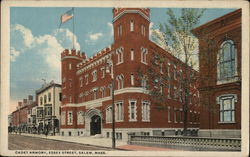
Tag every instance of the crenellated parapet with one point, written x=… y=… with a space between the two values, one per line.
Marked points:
x=96 y=59
x=73 y=54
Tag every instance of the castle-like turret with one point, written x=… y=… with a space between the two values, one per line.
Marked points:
x=69 y=60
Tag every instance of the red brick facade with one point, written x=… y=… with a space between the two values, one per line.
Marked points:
x=83 y=91
x=20 y=116
x=214 y=85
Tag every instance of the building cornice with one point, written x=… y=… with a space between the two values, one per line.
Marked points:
x=98 y=102
x=131 y=11
x=71 y=57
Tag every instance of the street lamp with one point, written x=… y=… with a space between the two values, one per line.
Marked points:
x=110 y=70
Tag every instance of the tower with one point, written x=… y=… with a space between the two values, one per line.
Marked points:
x=69 y=61
x=131 y=22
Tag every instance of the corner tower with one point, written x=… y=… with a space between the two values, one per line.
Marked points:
x=69 y=61
x=131 y=23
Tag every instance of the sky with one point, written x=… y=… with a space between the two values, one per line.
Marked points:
x=36 y=41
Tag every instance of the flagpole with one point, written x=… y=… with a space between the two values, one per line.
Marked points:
x=73 y=28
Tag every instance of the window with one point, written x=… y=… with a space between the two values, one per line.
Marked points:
x=143 y=30
x=80 y=118
x=169 y=90
x=161 y=68
x=119 y=53
x=103 y=72
x=227 y=61
x=103 y=92
x=41 y=100
x=80 y=81
x=132 y=110
x=119 y=111
x=175 y=115
x=175 y=73
x=86 y=79
x=144 y=53
x=49 y=97
x=132 y=54
x=95 y=93
x=144 y=82
x=119 y=30
x=181 y=119
x=60 y=96
x=120 y=81
x=168 y=70
x=70 y=118
x=131 y=25
x=45 y=99
x=175 y=93
x=63 y=118
x=132 y=79
x=109 y=114
x=70 y=99
x=191 y=117
x=169 y=114
x=70 y=66
x=94 y=74
x=227 y=107
x=145 y=111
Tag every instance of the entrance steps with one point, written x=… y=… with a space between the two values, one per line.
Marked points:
x=97 y=136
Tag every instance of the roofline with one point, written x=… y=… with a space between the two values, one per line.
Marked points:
x=47 y=87
x=215 y=21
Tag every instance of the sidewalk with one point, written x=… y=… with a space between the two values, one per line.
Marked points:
x=98 y=141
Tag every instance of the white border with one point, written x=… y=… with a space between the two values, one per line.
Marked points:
x=5 y=18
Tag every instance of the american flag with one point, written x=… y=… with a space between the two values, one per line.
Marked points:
x=67 y=16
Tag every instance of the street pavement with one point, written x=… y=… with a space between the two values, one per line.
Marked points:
x=96 y=142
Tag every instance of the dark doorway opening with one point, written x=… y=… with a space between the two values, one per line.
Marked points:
x=95 y=125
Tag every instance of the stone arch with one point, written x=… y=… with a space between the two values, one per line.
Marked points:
x=89 y=115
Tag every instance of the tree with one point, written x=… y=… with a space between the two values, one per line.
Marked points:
x=175 y=36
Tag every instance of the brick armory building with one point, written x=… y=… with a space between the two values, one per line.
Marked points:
x=86 y=87
x=220 y=81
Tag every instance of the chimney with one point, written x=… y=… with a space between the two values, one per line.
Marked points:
x=30 y=97
x=19 y=103
x=25 y=102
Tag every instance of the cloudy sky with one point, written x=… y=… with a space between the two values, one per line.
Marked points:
x=36 y=42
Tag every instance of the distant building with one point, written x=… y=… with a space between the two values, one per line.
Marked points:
x=86 y=87
x=220 y=83
x=20 y=115
x=48 y=109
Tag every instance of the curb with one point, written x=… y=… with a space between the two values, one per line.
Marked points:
x=78 y=143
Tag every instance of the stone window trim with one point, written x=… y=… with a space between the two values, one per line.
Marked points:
x=80 y=118
x=130 y=110
x=94 y=75
x=147 y=110
x=234 y=100
x=108 y=114
x=119 y=53
x=144 y=52
x=103 y=72
x=63 y=118
x=81 y=81
x=169 y=114
x=70 y=118
x=86 y=79
x=233 y=53
x=132 y=23
x=119 y=112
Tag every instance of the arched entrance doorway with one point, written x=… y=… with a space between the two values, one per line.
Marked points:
x=95 y=125
x=93 y=122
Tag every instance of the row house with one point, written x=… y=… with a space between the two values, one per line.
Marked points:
x=48 y=109
x=220 y=83
x=20 y=118
x=86 y=108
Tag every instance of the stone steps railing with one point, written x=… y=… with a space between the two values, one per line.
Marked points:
x=188 y=143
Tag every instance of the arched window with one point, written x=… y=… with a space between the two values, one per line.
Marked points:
x=227 y=61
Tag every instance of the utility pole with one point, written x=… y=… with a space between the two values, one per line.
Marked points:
x=110 y=69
